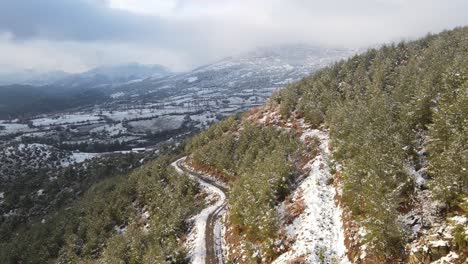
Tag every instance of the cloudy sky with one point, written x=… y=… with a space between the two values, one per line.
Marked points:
x=75 y=35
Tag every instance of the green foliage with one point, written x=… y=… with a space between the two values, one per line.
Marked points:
x=448 y=140
x=87 y=231
x=68 y=184
x=214 y=147
x=287 y=98
x=460 y=232
x=258 y=163
x=459 y=236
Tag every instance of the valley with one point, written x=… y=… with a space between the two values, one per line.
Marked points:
x=141 y=113
x=52 y=155
x=287 y=155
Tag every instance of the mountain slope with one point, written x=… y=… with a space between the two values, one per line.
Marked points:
x=384 y=111
x=30 y=77
x=103 y=75
x=137 y=217
x=255 y=73
x=397 y=122
x=112 y=75
x=369 y=154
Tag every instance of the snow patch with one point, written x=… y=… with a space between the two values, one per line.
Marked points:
x=66 y=119
x=318 y=231
x=112 y=129
x=192 y=79
x=452 y=257
x=117 y=95
x=78 y=157
x=10 y=128
x=459 y=219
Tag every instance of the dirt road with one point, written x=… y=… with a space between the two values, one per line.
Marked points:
x=207 y=248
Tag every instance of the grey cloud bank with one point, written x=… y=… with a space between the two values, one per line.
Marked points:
x=74 y=35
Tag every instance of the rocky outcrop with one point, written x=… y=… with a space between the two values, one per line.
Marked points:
x=437 y=244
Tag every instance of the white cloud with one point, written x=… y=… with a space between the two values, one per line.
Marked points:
x=184 y=33
x=70 y=56
x=146 y=7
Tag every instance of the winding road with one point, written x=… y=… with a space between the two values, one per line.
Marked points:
x=207 y=245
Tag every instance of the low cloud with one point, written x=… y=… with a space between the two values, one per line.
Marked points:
x=78 y=34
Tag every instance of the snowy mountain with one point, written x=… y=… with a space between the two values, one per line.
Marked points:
x=145 y=112
x=113 y=74
x=344 y=166
x=103 y=75
x=131 y=70
x=264 y=68
x=251 y=77
x=30 y=77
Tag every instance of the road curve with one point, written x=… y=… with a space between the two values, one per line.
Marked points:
x=207 y=248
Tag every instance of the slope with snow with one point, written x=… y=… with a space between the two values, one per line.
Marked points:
x=318 y=232
x=205 y=240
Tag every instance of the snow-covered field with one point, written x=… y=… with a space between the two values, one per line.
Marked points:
x=14 y=128
x=120 y=115
x=78 y=157
x=192 y=79
x=112 y=129
x=162 y=123
x=66 y=119
x=117 y=95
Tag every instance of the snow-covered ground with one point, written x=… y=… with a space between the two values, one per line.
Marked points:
x=12 y=128
x=192 y=79
x=66 y=119
x=78 y=157
x=130 y=114
x=318 y=231
x=18 y=159
x=159 y=124
x=117 y=95
x=112 y=129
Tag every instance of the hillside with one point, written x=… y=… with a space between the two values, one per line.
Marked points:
x=361 y=162
x=396 y=118
x=102 y=75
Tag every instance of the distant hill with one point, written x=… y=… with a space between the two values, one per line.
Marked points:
x=30 y=77
x=262 y=70
x=25 y=100
x=103 y=75
x=378 y=141
x=112 y=74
